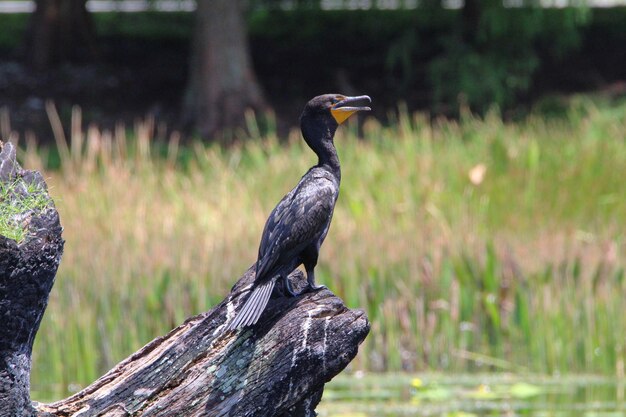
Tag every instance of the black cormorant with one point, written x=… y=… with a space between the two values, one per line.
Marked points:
x=297 y=226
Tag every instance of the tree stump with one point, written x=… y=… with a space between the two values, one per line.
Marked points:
x=27 y=271
x=277 y=367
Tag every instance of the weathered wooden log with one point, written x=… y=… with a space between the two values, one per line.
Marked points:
x=276 y=368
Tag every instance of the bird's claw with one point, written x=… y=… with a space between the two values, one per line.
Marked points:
x=292 y=293
x=314 y=288
x=287 y=288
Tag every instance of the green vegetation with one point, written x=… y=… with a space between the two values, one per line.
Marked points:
x=13 y=25
x=472 y=244
x=19 y=201
x=152 y=26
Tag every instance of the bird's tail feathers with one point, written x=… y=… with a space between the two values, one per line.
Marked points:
x=253 y=307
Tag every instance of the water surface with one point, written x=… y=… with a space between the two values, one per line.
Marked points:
x=493 y=395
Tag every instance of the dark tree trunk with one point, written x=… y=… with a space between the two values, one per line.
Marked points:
x=59 y=30
x=276 y=368
x=222 y=84
x=470 y=20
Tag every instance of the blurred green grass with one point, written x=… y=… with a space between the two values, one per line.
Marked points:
x=473 y=245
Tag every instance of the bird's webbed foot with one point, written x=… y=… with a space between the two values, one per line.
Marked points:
x=310 y=277
x=313 y=288
x=287 y=288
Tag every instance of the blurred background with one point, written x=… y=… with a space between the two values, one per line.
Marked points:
x=482 y=213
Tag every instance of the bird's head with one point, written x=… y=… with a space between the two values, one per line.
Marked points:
x=323 y=114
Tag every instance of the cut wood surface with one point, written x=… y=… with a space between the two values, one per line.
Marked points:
x=277 y=367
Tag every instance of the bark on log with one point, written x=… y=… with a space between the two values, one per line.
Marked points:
x=276 y=368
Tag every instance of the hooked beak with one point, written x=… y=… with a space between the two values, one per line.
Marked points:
x=344 y=109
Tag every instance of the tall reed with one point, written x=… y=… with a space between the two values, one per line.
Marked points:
x=472 y=244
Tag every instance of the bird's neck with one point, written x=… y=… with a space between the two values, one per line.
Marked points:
x=318 y=134
x=329 y=160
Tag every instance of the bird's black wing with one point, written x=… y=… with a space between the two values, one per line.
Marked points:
x=298 y=220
